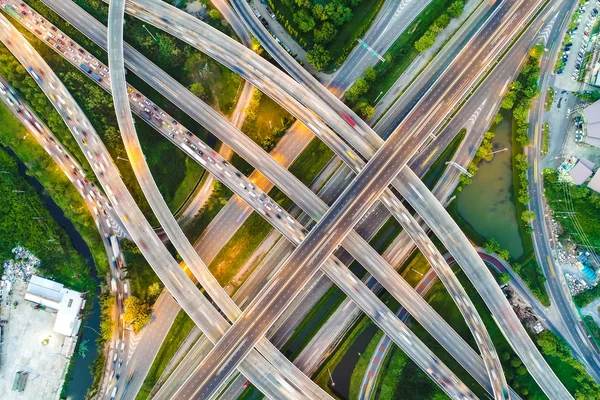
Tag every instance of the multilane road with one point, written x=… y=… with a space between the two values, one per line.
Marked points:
x=196 y=157
x=332 y=227
x=187 y=295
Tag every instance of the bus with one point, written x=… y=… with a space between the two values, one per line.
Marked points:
x=12 y=12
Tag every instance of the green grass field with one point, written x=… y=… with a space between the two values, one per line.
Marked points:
x=181 y=328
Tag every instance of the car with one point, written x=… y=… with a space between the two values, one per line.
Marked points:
x=113 y=394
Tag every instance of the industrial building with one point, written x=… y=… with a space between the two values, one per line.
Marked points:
x=67 y=303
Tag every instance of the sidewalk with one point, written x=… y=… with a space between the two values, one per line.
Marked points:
x=419 y=63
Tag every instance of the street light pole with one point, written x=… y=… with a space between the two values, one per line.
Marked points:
x=150 y=33
x=497 y=151
x=330 y=377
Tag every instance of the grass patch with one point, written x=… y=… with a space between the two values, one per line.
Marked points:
x=311 y=161
x=217 y=200
x=592 y=328
x=549 y=98
x=390 y=373
x=312 y=322
x=193 y=175
x=28 y=223
x=42 y=167
x=181 y=328
x=343 y=40
x=403 y=52
x=362 y=364
x=241 y=245
x=266 y=121
x=545 y=139
x=415 y=267
x=438 y=167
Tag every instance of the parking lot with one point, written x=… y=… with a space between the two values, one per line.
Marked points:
x=575 y=51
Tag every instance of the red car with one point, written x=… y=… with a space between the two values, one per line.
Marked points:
x=347 y=118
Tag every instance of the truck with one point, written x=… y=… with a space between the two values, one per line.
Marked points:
x=85 y=68
x=115 y=246
x=12 y=12
x=96 y=77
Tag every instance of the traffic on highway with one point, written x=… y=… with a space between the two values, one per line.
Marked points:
x=379 y=177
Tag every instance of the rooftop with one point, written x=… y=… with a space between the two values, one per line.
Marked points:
x=580 y=173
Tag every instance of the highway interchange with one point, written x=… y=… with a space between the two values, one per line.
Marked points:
x=295 y=232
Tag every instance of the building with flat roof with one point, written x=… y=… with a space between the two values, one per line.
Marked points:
x=580 y=173
x=591 y=115
x=594 y=184
x=67 y=303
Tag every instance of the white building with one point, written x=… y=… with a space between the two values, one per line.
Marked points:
x=67 y=303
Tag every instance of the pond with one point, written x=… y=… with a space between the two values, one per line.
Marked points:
x=81 y=376
x=487 y=205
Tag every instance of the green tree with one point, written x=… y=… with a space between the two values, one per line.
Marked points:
x=367 y=112
x=256 y=46
x=303 y=3
x=504 y=254
x=325 y=34
x=456 y=8
x=338 y=12
x=137 y=313
x=319 y=57
x=198 y=90
x=491 y=245
x=370 y=74
x=319 y=13
x=503 y=279
x=359 y=88
x=304 y=20
x=214 y=14
x=528 y=216
x=154 y=291
x=425 y=42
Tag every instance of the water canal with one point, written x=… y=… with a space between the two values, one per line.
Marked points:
x=487 y=205
x=81 y=376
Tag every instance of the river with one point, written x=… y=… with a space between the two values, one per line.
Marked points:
x=81 y=376
x=487 y=204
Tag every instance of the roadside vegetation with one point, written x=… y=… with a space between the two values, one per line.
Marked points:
x=585 y=298
x=405 y=378
x=404 y=50
x=181 y=328
x=107 y=325
x=545 y=139
x=437 y=168
x=266 y=121
x=592 y=328
x=144 y=283
x=243 y=243
x=28 y=223
x=183 y=62
x=581 y=200
x=515 y=106
x=216 y=201
x=327 y=30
